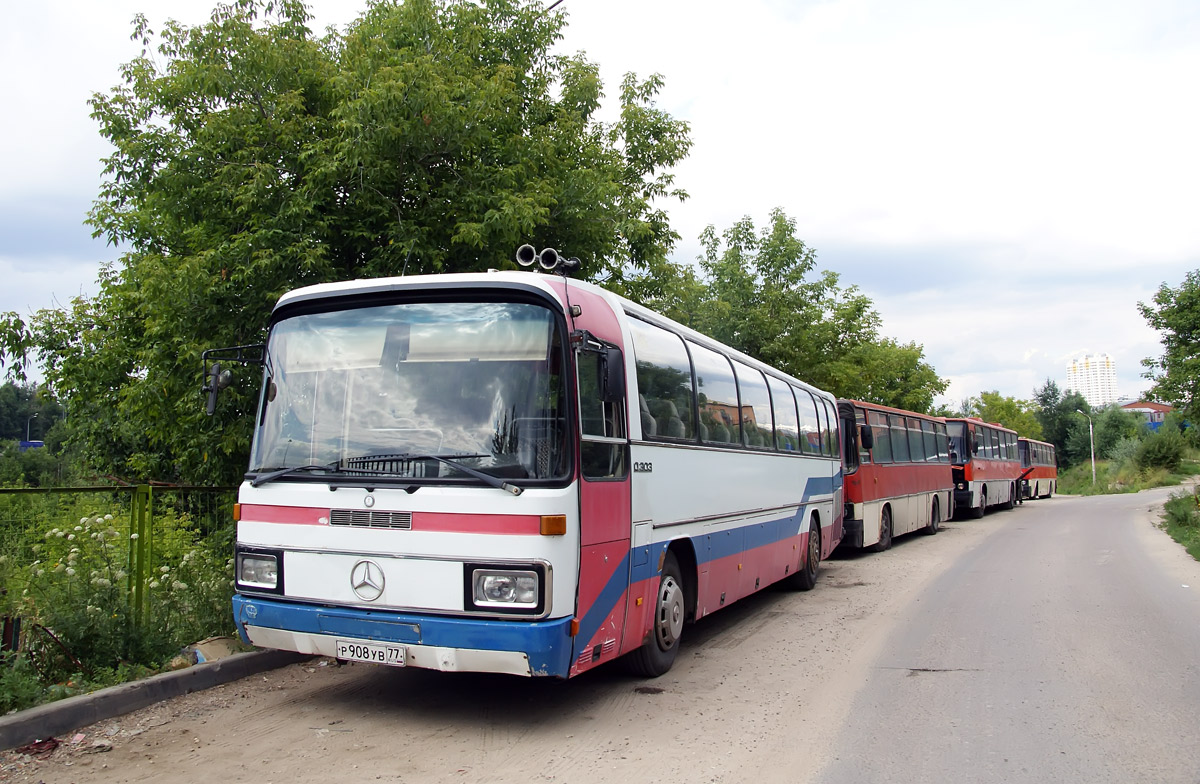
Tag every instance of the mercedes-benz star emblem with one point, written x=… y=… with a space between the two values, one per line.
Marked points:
x=366 y=578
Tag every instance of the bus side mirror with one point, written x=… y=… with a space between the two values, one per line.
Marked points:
x=974 y=447
x=614 y=376
x=866 y=437
x=218 y=379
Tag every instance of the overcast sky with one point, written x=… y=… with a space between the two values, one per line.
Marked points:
x=1006 y=181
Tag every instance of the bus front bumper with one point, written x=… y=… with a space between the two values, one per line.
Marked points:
x=517 y=647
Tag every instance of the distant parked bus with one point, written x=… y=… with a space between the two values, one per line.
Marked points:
x=1037 y=458
x=987 y=466
x=517 y=473
x=898 y=475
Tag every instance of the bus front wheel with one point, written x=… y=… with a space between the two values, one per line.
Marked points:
x=977 y=512
x=885 y=531
x=658 y=653
x=935 y=519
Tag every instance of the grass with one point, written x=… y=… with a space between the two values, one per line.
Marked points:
x=1182 y=521
x=1122 y=478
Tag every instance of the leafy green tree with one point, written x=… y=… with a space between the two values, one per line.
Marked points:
x=1175 y=313
x=1018 y=415
x=1114 y=425
x=760 y=292
x=251 y=157
x=1057 y=415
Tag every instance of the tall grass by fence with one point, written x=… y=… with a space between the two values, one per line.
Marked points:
x=95 y=580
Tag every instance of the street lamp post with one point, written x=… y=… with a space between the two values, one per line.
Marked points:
x=1091 y=442
x=27 y=422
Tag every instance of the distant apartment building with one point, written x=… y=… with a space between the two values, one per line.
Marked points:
x=1095 y=377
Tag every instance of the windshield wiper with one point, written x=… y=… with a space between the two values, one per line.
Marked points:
x=261 y=479
x=450 y=460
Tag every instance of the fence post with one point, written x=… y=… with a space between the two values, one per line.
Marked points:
x=137 y=552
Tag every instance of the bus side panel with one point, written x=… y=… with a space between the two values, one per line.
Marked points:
x=603 y=577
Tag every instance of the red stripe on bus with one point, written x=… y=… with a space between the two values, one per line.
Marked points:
x=527 y=525
x=298 y=515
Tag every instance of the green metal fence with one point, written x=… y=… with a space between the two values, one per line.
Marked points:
x=26 y=511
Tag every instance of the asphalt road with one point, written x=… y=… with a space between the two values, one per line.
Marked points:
x=1064 y=648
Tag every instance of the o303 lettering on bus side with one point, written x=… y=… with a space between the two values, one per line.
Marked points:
x=643 y=468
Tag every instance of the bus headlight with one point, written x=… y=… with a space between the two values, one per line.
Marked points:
x=258 y=570
x=496 y=589
x=508 y=588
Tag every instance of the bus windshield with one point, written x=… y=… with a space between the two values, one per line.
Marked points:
x=382 y=389
x=958 y=443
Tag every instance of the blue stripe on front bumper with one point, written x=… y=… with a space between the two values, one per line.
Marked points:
x=546 y=643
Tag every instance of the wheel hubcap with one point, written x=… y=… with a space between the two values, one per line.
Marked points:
x=670 y=613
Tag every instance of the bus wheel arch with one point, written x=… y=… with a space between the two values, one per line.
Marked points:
x=886 y=530
x=671 y=610
x=978 y=511
x=805 y=578
x=935 y=517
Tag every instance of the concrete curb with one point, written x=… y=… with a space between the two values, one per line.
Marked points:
x=57 y=718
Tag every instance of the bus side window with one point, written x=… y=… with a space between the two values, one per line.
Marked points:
x=810 y=423
x=899 y=438
x=832 y=441
x=603 y=452
x=883 y=438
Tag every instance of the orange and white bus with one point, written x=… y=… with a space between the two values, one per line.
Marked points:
x=1039 y=466
x=897 y=474
x=987 y=466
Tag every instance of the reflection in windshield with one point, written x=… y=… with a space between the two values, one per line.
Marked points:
x=464 y=378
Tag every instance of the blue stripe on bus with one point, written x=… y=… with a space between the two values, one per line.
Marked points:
x=546 y=643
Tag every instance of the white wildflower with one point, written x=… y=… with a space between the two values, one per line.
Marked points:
x=133 y=536
x=164 y=569
x=79 y=528
x=154 y=583
x=179 y=586
x=70 y=572
x=71 y=537
x=107 y=517
x=82 y=520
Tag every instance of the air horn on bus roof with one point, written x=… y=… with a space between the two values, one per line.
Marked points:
x=549 y=259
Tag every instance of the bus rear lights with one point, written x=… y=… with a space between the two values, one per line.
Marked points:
x=255 y=570
x=504 y=588
x=553 y=525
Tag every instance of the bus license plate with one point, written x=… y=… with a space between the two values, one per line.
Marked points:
x=375 y=653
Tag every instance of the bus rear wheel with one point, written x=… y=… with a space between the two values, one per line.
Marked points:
x=935 y=519
x=885 y=531
x=806 y=578
x=657 y=654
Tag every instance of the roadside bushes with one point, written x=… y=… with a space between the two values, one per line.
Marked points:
x=68 y=579
x=1162 y=449
x=1181 y=519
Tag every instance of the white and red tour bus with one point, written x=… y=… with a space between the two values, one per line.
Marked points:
x=516 y=473
x=986 y=464
x=897 y=474
x=1039 y=467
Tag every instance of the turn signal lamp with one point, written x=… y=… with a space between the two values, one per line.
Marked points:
x=553 y=525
